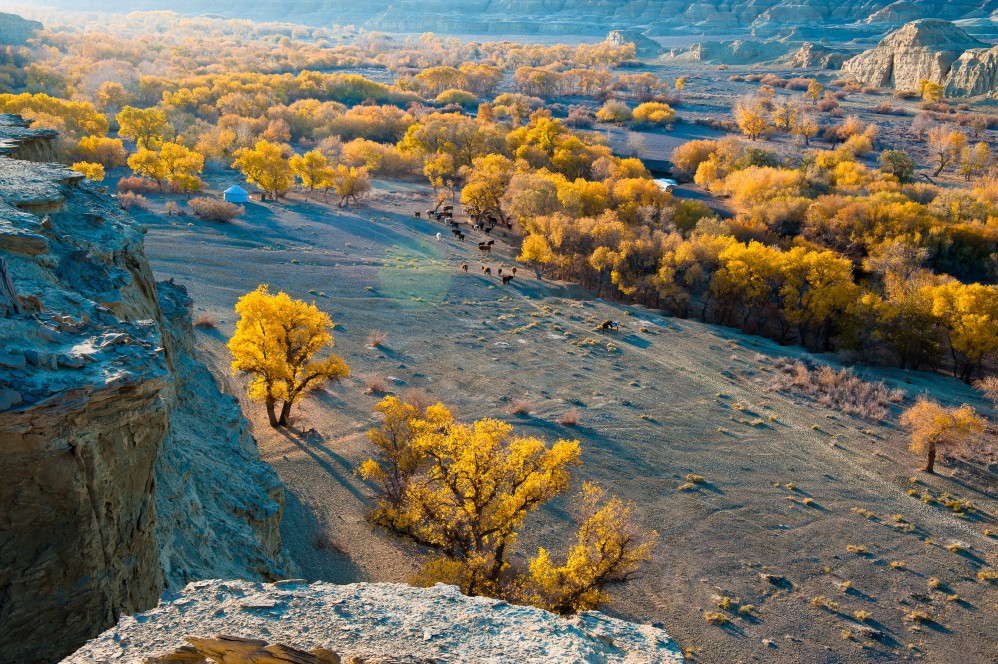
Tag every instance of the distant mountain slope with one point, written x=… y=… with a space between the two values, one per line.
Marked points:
x=576 y=17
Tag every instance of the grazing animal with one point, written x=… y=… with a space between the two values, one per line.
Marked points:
x=439 y=236
x=490 y=242
x=418 y=213
x=484 y=248
x=499 y=272
x=609 y=325
x=448 y=208
x=464 y=266
x=514 y=271
x=487 y=270
x=506 y=278
x=429 y=214
x=454 y=232
x=487 y=229
x=460 y=236
x=440 y=215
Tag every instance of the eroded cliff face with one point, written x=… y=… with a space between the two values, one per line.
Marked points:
x=113 y=487
x=931 y=50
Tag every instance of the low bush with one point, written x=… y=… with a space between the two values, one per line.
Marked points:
x=137 y=185
x=840 y=389
x=214 y=209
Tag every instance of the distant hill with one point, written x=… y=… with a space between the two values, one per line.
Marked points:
x=580 y=17
x=15 y=30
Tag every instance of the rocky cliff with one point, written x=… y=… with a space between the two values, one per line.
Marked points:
x=378 y=622
x=926 y=50
x=125 y=469
x=577 y=17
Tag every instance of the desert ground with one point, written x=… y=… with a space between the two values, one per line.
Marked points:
x=658 y=400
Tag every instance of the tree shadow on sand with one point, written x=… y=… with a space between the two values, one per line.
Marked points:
x=313 y=545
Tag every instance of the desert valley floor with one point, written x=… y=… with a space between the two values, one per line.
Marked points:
x=788 y=484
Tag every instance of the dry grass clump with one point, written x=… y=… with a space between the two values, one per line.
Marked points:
x=716 y=617
x=376 y=339
x=214 y=209
x=862 y=616
x=569 y=418
x=129 y=200
x=206 y=321
x=420 y=399
x=840 y=389
x=375 y=385
x=823 y=602
x=696 y=479
x=858 y=549
x=918 y=617
x=137 y=185
x=520 y=407
x=989 y=386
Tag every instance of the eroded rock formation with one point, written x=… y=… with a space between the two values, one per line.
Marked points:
x=816 y=56
x=576 y=17
x=925 y=50
x=376 y=622
x=125 y=469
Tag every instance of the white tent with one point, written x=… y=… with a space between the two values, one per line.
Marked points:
x=236 y=194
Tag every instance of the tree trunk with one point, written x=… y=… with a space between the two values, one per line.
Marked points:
x=270 y=413
x=930 y=461
x=285 y=411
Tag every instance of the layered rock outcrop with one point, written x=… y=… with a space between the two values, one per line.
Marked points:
x=644 y=47
x=921 y=50
x=816 y=56
x=125 y=469
x=974 y=73
x=378 y=622
x=576 y=17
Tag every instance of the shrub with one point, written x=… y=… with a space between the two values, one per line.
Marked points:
x=696 y=479
x=823 y=602
x=569 y=418
x=614 y=111
x=206 y=321
x=716 y=617
x=376 y=338
x=898 y=564
x=129 y=200
x=907 y=94
x=580 y=117
x=375 y=385
x=90 y=170
x=840 y=389
x=883 y=108
x=137 y=185
x=520 y=407
x=862 y=616
x=725 y=603
x=858 y=549
x=653 y=113
x=214 y=209
x=918 y=617
x=459 y=97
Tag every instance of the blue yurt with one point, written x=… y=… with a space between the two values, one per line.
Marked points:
x=236 y=194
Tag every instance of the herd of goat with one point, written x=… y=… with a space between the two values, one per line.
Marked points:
x=446 y=214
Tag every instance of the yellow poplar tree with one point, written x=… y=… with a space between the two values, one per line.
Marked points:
x=148 y=127
x=265 y=166
x=932 y=427
x=147 y=163
x=312 y=168
x=277 y=341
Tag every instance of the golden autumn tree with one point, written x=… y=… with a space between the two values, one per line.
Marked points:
x=265 y=166
x=147 y=163
x=277 y=342
x=108 y=152
x=933 y=427
x=313 y=169
x=182 y=166
x=148 y=127
x=89 y=170
x=751 y=117
x=350 y=183
x=814 y=92
x=465 y=491
x=608 y=549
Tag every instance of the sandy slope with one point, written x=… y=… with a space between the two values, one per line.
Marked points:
x=674 y=397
